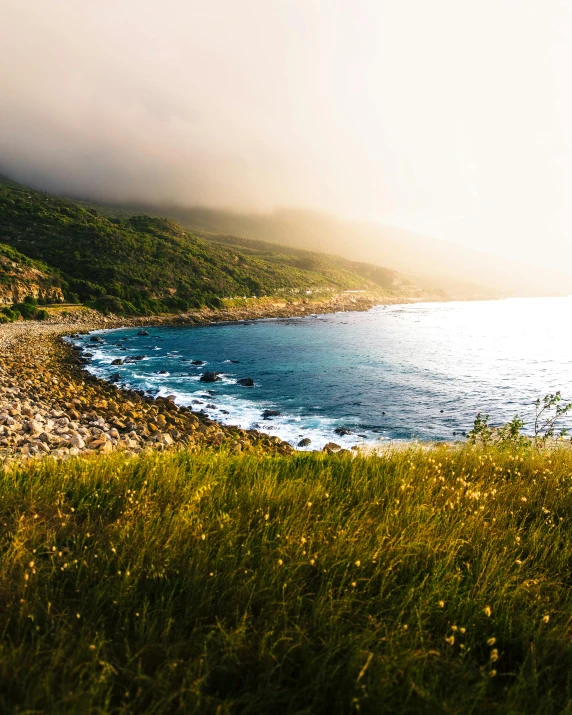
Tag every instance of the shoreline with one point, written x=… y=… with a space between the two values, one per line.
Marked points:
x=50 y=405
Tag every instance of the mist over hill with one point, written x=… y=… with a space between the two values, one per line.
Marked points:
x=386 y=256
x=137 y=263
x=428 y=262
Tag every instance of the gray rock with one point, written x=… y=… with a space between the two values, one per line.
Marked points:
x=304 y=442
x=77 y=442
x=35 y=427
x=267 y=414
x=245 y=382
x=210 y=377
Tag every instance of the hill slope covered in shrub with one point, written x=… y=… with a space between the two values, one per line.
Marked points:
x=144 y=264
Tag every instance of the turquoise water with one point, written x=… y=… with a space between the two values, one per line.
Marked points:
x=400 y=372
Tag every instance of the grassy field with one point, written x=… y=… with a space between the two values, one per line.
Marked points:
x=422 y=581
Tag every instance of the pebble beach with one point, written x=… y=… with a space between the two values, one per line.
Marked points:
x=50 y=406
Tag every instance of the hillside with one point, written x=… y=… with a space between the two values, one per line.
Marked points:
x=427 y=262
x=310 y=260
x=144 y=264
x=21 y=277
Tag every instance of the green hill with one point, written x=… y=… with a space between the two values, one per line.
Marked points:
x=145 y=264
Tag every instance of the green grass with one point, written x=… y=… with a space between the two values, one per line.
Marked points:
x=211 y=583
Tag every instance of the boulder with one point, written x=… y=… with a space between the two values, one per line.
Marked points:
x=143 y=332
x=331 y=447
x=341 y=431
x=267 y=414
x=210 y=377
x=96 y=339
x=304 y=442
x=118 y=361
x=77 y=441
x=35 y=427
x=115 y=377
x=245 y=382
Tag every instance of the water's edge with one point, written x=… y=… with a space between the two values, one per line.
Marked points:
x=344 y=441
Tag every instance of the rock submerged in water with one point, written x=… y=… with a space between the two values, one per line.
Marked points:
x=304 y=442
x=210 y=377
x=245 y=382
x=96 y=339
x=143 y=332
x=342 y=431
x=197 y=362
x=118 y=361
x=267 y=414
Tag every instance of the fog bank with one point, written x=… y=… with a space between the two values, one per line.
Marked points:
x=446 y=118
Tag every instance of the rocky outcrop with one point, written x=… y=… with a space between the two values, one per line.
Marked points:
x=17 y=291
x=18 y=281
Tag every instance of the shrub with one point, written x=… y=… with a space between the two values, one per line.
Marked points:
x=109 y=304
x=548 y=412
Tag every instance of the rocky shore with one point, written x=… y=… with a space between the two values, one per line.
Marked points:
x=50 y=406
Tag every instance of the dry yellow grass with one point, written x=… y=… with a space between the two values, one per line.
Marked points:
x=417 y=581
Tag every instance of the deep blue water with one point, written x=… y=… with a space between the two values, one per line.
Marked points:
x=399 y=372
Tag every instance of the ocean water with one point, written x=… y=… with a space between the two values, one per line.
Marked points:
x=398 y=372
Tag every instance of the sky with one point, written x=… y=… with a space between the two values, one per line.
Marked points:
x=451 y=118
